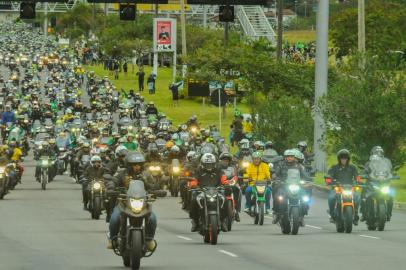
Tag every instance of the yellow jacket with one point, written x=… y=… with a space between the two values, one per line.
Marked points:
x=16 y=154
x=247 y=127
x=258 y=173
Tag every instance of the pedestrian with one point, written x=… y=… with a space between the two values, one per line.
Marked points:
x=174 y=87
x=125 y=68
x=141 y=76
x=151 y=83
x=116 y=68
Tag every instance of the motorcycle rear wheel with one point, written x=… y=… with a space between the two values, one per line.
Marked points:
x=230 y=215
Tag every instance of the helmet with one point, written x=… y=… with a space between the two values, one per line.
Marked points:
x=244 y=141
x=256 y=155
x=134 y=158
x=175 y=149
x=44 y=143
x=86 y=145
x=169 y=144
x=377 y=150
x=226 y=155
x=268 y=144
x=259 y=144
x=121 y=151
x=298 y=155
x=94 y=159
x=151 y=103
x=343 y=153
x=237 y=113
x=184 y=127
x=175 y=137
x=68 y=111
x=302 y=144
x=190 y=155
x=208 y=161
x=51 y=141
x=289 y=152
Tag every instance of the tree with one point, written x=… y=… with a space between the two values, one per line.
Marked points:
x=385 y=21
x=141 y=48
x=368 y=105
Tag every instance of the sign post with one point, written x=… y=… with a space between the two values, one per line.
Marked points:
x=164 y=40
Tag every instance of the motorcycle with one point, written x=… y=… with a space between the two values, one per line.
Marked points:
x=3 y=182
x=377 y=195
x=257 y=210
x=159 y=183
x=210 y=201
x=45 y=165
x=63 y=160
x=292 y=202
x=97 y=197
x=175 y=171
x=135 y=207
x=231 y=202
x=344 y=211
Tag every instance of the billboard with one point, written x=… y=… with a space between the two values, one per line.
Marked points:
x=164 y=35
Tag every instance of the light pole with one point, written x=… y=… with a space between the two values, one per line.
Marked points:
x=321 y=76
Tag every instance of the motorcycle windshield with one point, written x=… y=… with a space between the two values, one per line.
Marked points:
x=381 y=168
x=293 y=176
x=136 y=189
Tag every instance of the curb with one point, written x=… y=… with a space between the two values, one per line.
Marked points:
x=396 y=205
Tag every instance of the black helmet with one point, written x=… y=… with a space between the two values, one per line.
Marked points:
x=133 y=158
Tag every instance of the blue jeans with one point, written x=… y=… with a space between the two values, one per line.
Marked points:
x=332 y=201
x=114 y=226
x=248 y=194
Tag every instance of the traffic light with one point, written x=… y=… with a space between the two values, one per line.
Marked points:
x=226 y=14
x=127 y=12
x=27 y=10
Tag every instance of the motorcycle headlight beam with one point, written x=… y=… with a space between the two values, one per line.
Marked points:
x=97 y=186
x=294 y=188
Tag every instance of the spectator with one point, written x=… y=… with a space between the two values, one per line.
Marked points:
x=116 y=69
x=141 y=75
x=125 y=68
x=174 y=87
x=151 y=83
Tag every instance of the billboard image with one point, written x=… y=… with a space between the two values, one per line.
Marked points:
x=164 y=35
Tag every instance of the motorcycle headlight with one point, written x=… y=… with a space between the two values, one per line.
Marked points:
x=44 y=162
x=385 y=190
x=245 y=164
x=176 y=169
x=25 y=121
x=61 y=149
x=306 y=198
x=136 y=205
x=347 y=192
x=96 y=186
x=294 y=188
x=260 y=189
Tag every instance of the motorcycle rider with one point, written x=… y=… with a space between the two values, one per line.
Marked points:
x=119 y=162
x=344 y=173
x=210 y=175
x=151 y=109
x=377 y=152
x=68 y=117
x=134 y=171
x=45 y=151
x=230 y=172
x=281 y=171
x=257 y=171
x=94 y=171
x=8 y=116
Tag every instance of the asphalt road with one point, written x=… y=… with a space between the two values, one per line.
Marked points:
x=44 y=230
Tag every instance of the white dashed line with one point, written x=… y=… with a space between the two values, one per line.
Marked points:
x=228 y=253
x=314 y=227
x=184 y=238
x=367 y=236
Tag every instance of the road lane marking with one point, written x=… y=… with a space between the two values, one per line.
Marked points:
x=367 y=236
x=228 y=253
x=314 y=227
x=184 y=238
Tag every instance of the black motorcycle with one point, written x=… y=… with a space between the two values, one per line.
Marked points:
x=210 y=201
x=135 y=207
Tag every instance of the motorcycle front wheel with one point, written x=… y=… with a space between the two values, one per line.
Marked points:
x=381 y=216
x=348 y=218
x=136 y=249
x=294 y=214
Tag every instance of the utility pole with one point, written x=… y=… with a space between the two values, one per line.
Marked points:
x=321 y=82
x=46 y=20
x=183 y=25
x=155 y=63
x=204 y=16
x=361 y=26
x=280 y=30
